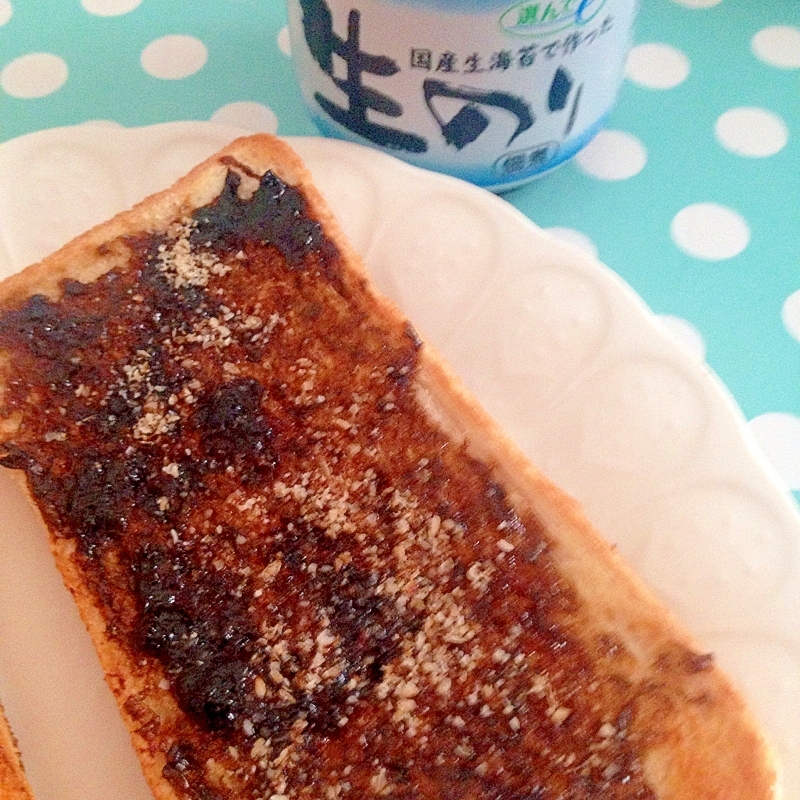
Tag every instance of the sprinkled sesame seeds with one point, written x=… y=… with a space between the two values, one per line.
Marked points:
x=559 y=714
x=359 y=577
x=184 y=265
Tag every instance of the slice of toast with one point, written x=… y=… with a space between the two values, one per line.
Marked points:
x=13 y=782
x=312 y=566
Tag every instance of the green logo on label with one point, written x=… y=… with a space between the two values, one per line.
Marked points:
x=530 y=18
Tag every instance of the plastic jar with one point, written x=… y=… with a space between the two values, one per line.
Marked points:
x=494 y=92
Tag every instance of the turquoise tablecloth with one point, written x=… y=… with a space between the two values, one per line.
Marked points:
x=692 y=194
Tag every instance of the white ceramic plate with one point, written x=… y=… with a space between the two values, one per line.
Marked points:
x=559 y=349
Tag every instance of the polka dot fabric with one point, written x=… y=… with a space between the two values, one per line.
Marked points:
x=691 y=193
x=138 y=63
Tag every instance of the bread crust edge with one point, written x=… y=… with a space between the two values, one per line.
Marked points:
x=13 y=780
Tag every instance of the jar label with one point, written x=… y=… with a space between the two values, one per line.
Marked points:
x=491 y=92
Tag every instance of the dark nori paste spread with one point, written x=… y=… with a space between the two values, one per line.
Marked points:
x=336 y=596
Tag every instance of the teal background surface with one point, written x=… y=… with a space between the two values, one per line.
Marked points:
x=734 y=304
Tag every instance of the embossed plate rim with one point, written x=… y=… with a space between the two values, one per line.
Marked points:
x=400 y=185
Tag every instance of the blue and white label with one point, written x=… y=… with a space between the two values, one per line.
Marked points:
x=493 y=93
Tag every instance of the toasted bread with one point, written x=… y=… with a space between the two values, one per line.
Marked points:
x=311 y=564
x=13 y=782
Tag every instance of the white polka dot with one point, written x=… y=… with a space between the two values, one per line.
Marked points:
x=5 y=11
x=284 y=42
x=684 y=332
x=109 y=8
x=751 y=132
x=174 y=57
x=791 y=314
x=656 y=66
x=697 y=3
x=251 y=116
x=710 y=231
x=779 y=437
x=778 y=45
x=575 y=238
x=34 y=75
x=613 y=156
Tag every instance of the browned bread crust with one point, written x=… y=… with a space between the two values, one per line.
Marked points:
x=677 y=727
x=13 y=783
